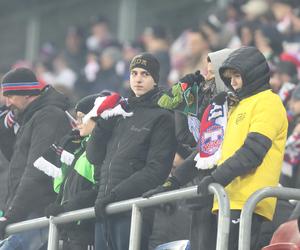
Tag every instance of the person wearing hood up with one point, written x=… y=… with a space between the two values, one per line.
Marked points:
x=201 y=236
x=41 y=115
x=254 y=141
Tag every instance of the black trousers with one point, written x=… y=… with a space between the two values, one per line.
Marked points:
x=204 y=230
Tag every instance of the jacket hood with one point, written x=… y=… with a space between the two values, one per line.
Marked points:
x=49 y=97
x=252 y=66
x=217 y=58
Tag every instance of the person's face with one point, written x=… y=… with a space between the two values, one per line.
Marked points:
x=84 y=128
x=235 y=79
x=17 y=102
x=210 y=72
x=294 y=106
x=141 y=81
x=275 y=82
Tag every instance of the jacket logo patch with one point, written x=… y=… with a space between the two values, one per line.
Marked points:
x=135 y=129
x=240 y=117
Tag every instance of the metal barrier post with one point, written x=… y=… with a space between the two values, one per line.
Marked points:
x=53 y=235
x=249 y=207
x=224 y=215
x=136 y=228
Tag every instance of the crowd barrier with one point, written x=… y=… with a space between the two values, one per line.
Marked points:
x=248 y=209
x=135 y=205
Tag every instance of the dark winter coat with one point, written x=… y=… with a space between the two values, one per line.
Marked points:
x=42 y=123
x=139 y=152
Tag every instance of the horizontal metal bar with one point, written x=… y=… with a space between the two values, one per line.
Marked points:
x=113 y=208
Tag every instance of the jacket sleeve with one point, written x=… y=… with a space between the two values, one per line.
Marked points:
x=187 y=171
x=96 y=145
x=245 y=160
x=35 y=190
x=158 y=163
x=84 y=199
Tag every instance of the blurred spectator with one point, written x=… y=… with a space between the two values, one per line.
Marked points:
x=217 y=34
x=74 y=51
x=156 y=42
x=254 y=9
x=288 y=21
x=92 y=67
x=294 y=110
x=107 y=78
x=269 y=41
x=64 y=77
x=100 y=34
x=43 y=73
x=284 y=80
x=197 y=48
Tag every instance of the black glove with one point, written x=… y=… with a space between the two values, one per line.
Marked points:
x=101 y=204
x=171 y=184
x=54 y=209
x=3 y=224
x=203 y=185
x=220 y=98
x=71 y=141
x=190 y=79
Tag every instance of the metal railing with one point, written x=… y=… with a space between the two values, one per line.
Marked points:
x=249 y=207
x=135 y=205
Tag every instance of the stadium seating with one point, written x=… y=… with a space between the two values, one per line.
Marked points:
x=286 y=237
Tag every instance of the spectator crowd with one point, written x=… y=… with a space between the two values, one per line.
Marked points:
x=220 y=103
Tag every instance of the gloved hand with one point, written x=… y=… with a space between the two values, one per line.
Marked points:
x=3 y=224
x=220 y=98
x=53 y=209
x=108 y=106
x=68 y=145
x=101 y=204
x=71 y=141
x=170 y=184
x=203 y=185
x=190 y=79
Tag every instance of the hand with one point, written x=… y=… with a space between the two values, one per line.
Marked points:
x=203 y=185
x=171 y=184
x=101 y=204
x=53 y=209
x=3 y=224
x=71 y=141
x=220 y=98
x=190 y=79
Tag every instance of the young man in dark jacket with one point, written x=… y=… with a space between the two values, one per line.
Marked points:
x=138 y=154
x=40 y=110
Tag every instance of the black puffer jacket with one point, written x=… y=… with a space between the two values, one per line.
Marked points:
x=139 y=152
x=42 y=123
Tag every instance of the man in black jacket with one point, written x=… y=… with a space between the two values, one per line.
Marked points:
x=40 y=110
x=138 y=154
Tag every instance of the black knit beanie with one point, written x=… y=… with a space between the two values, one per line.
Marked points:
x=85 y=104
x=21 y=81
x=148 y=62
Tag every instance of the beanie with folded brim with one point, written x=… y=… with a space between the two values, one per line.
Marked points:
x=21 y=81
x=148 y=62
